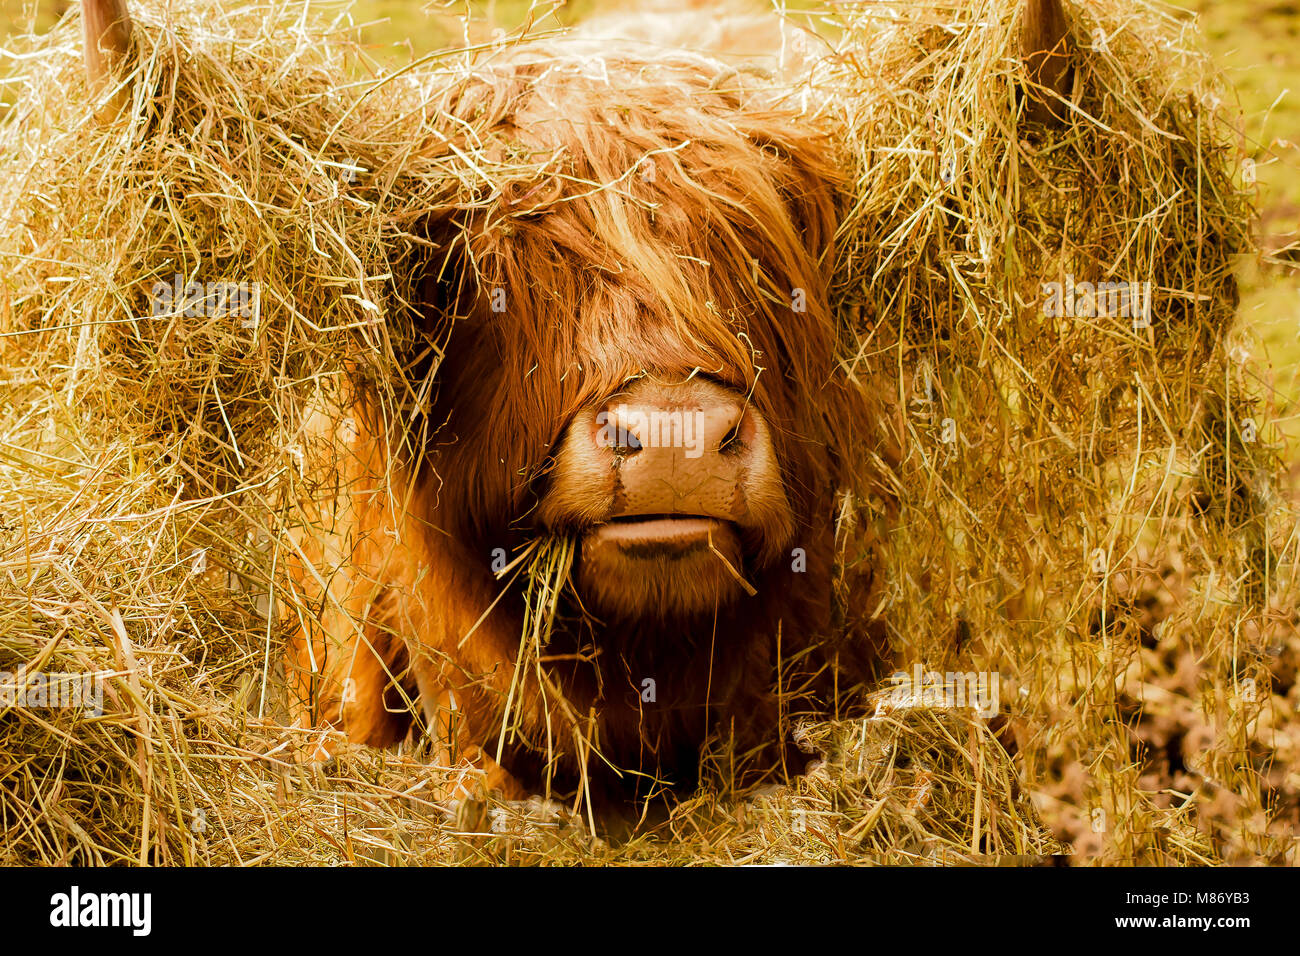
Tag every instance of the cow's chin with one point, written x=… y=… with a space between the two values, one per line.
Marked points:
x=661 y=567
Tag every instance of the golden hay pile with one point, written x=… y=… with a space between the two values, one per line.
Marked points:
x=1080 y=507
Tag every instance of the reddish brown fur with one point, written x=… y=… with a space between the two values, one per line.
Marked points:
x=609 y=275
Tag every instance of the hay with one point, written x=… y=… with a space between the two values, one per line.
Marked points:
x=1075 y=488
x=1077 y=507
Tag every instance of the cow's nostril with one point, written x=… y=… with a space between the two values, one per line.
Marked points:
x=624 y=443
x=628 y=443
x=736 y=438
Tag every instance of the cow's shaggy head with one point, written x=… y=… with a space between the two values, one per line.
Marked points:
x=644 y=357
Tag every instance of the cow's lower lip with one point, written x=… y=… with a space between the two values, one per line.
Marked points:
x=661 y=566
x=676 y=533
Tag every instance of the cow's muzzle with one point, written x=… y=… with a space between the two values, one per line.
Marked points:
x=676 y=493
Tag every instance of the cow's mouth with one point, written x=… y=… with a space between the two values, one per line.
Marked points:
x=664 y=535
x=661 y=565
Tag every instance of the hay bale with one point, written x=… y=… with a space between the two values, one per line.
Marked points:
x=1063 y=484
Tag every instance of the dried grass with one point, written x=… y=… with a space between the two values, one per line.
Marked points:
x=1076 y=508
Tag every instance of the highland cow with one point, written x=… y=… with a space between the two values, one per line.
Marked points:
x=641 y=359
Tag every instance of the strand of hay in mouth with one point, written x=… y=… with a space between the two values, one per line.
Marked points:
x=740 y=578
x=149 y=463
x=549 y=561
